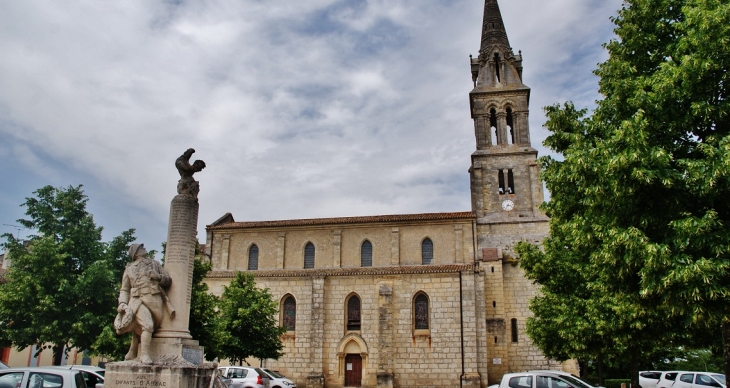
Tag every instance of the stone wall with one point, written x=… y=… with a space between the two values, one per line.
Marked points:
x=387 y=340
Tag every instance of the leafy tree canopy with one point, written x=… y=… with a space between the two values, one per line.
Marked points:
x=63 y=282
x=639 y=202
x=249 y=327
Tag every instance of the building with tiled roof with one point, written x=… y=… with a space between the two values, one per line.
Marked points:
x=411 y=300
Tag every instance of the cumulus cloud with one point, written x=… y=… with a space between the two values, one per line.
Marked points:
x=313 y=108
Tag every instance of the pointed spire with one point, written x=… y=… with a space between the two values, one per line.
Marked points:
x=493 y=31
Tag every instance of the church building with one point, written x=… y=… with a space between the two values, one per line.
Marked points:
x=411 y=300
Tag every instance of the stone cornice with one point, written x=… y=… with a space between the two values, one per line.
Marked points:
x=359 y=271
x=345 y=220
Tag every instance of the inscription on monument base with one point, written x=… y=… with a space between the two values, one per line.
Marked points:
x=142 y=381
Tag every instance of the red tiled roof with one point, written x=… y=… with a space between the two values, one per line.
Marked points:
x=345 y=220
x=359 y=271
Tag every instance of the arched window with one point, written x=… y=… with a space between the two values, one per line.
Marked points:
x=366 y=254
x=353 y=313
x=253 y=257
x=510 y=125
x=289 y=313
x=493 y=135
x=497 y=65
x=427 y=251
x=420 y=312
x=513 y=321
x=500 y=178
x=309 y=255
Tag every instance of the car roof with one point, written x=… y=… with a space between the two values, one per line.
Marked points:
x=41 y=369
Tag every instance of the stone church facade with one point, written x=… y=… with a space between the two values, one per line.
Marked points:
x=413 y=300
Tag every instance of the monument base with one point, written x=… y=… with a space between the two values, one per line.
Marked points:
x=187 y=349
x=176 y=374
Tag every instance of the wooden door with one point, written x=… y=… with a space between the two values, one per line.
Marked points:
x=353 y=370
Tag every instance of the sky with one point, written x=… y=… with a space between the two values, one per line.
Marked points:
x=300 y=109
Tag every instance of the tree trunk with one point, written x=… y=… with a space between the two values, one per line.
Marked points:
x=599 y=362
x=726 y=345
x=58 y=354
x=634 y=369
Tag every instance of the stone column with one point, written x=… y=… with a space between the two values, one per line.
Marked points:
x=385 y=375
x=280 y=250
x=179 y=256
x=470 y=325
x=337 y=251
x=315 y=378
x=394 y=246
x=502 y=128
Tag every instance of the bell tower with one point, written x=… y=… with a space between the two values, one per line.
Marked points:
x=504 y=172
x=505 y=192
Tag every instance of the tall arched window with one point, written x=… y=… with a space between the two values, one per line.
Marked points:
x=420 y=312
x=289 y=313
x=427 y=251
x=493 y=127
x=353 y=313
x=366 y=254
x=510 y=126
x=253 y=257
x=309 y=255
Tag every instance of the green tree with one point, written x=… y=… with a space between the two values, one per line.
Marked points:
x=248 y=326
x=641 y=195
x=205 y=320
x=62 y=284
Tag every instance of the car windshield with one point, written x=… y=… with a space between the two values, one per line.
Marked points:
x=272 y=373
x=720 y=378
x=576 y=381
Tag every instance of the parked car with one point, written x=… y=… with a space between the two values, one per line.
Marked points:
x=667 y=379
x=245 y=376
x=580 y=383
x=278 y=380
x=41 y=377
x=3 y=366
x=699 y=380
x=541 y=379
x=649 y=379
x=93 y=375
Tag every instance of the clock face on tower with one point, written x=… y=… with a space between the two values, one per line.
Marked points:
x=507 y=205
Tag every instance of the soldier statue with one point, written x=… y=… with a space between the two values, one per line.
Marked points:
x=142 y=302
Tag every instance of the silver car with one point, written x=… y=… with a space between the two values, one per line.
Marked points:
x=245 y=376
x=93 y=375
x=278 y=380
x=41 y=378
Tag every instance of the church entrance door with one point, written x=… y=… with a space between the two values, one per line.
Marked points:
x=353 y=370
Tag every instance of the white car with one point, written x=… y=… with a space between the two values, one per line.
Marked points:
x=542 y=379
x=245 y=376
x=93 y=375
x=667 y=379
x=278 y=380
x=700 y=380
x=580 y=382
x=649 y=379
x=41 y=377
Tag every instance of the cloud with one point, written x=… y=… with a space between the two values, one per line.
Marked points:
x=314 y=108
